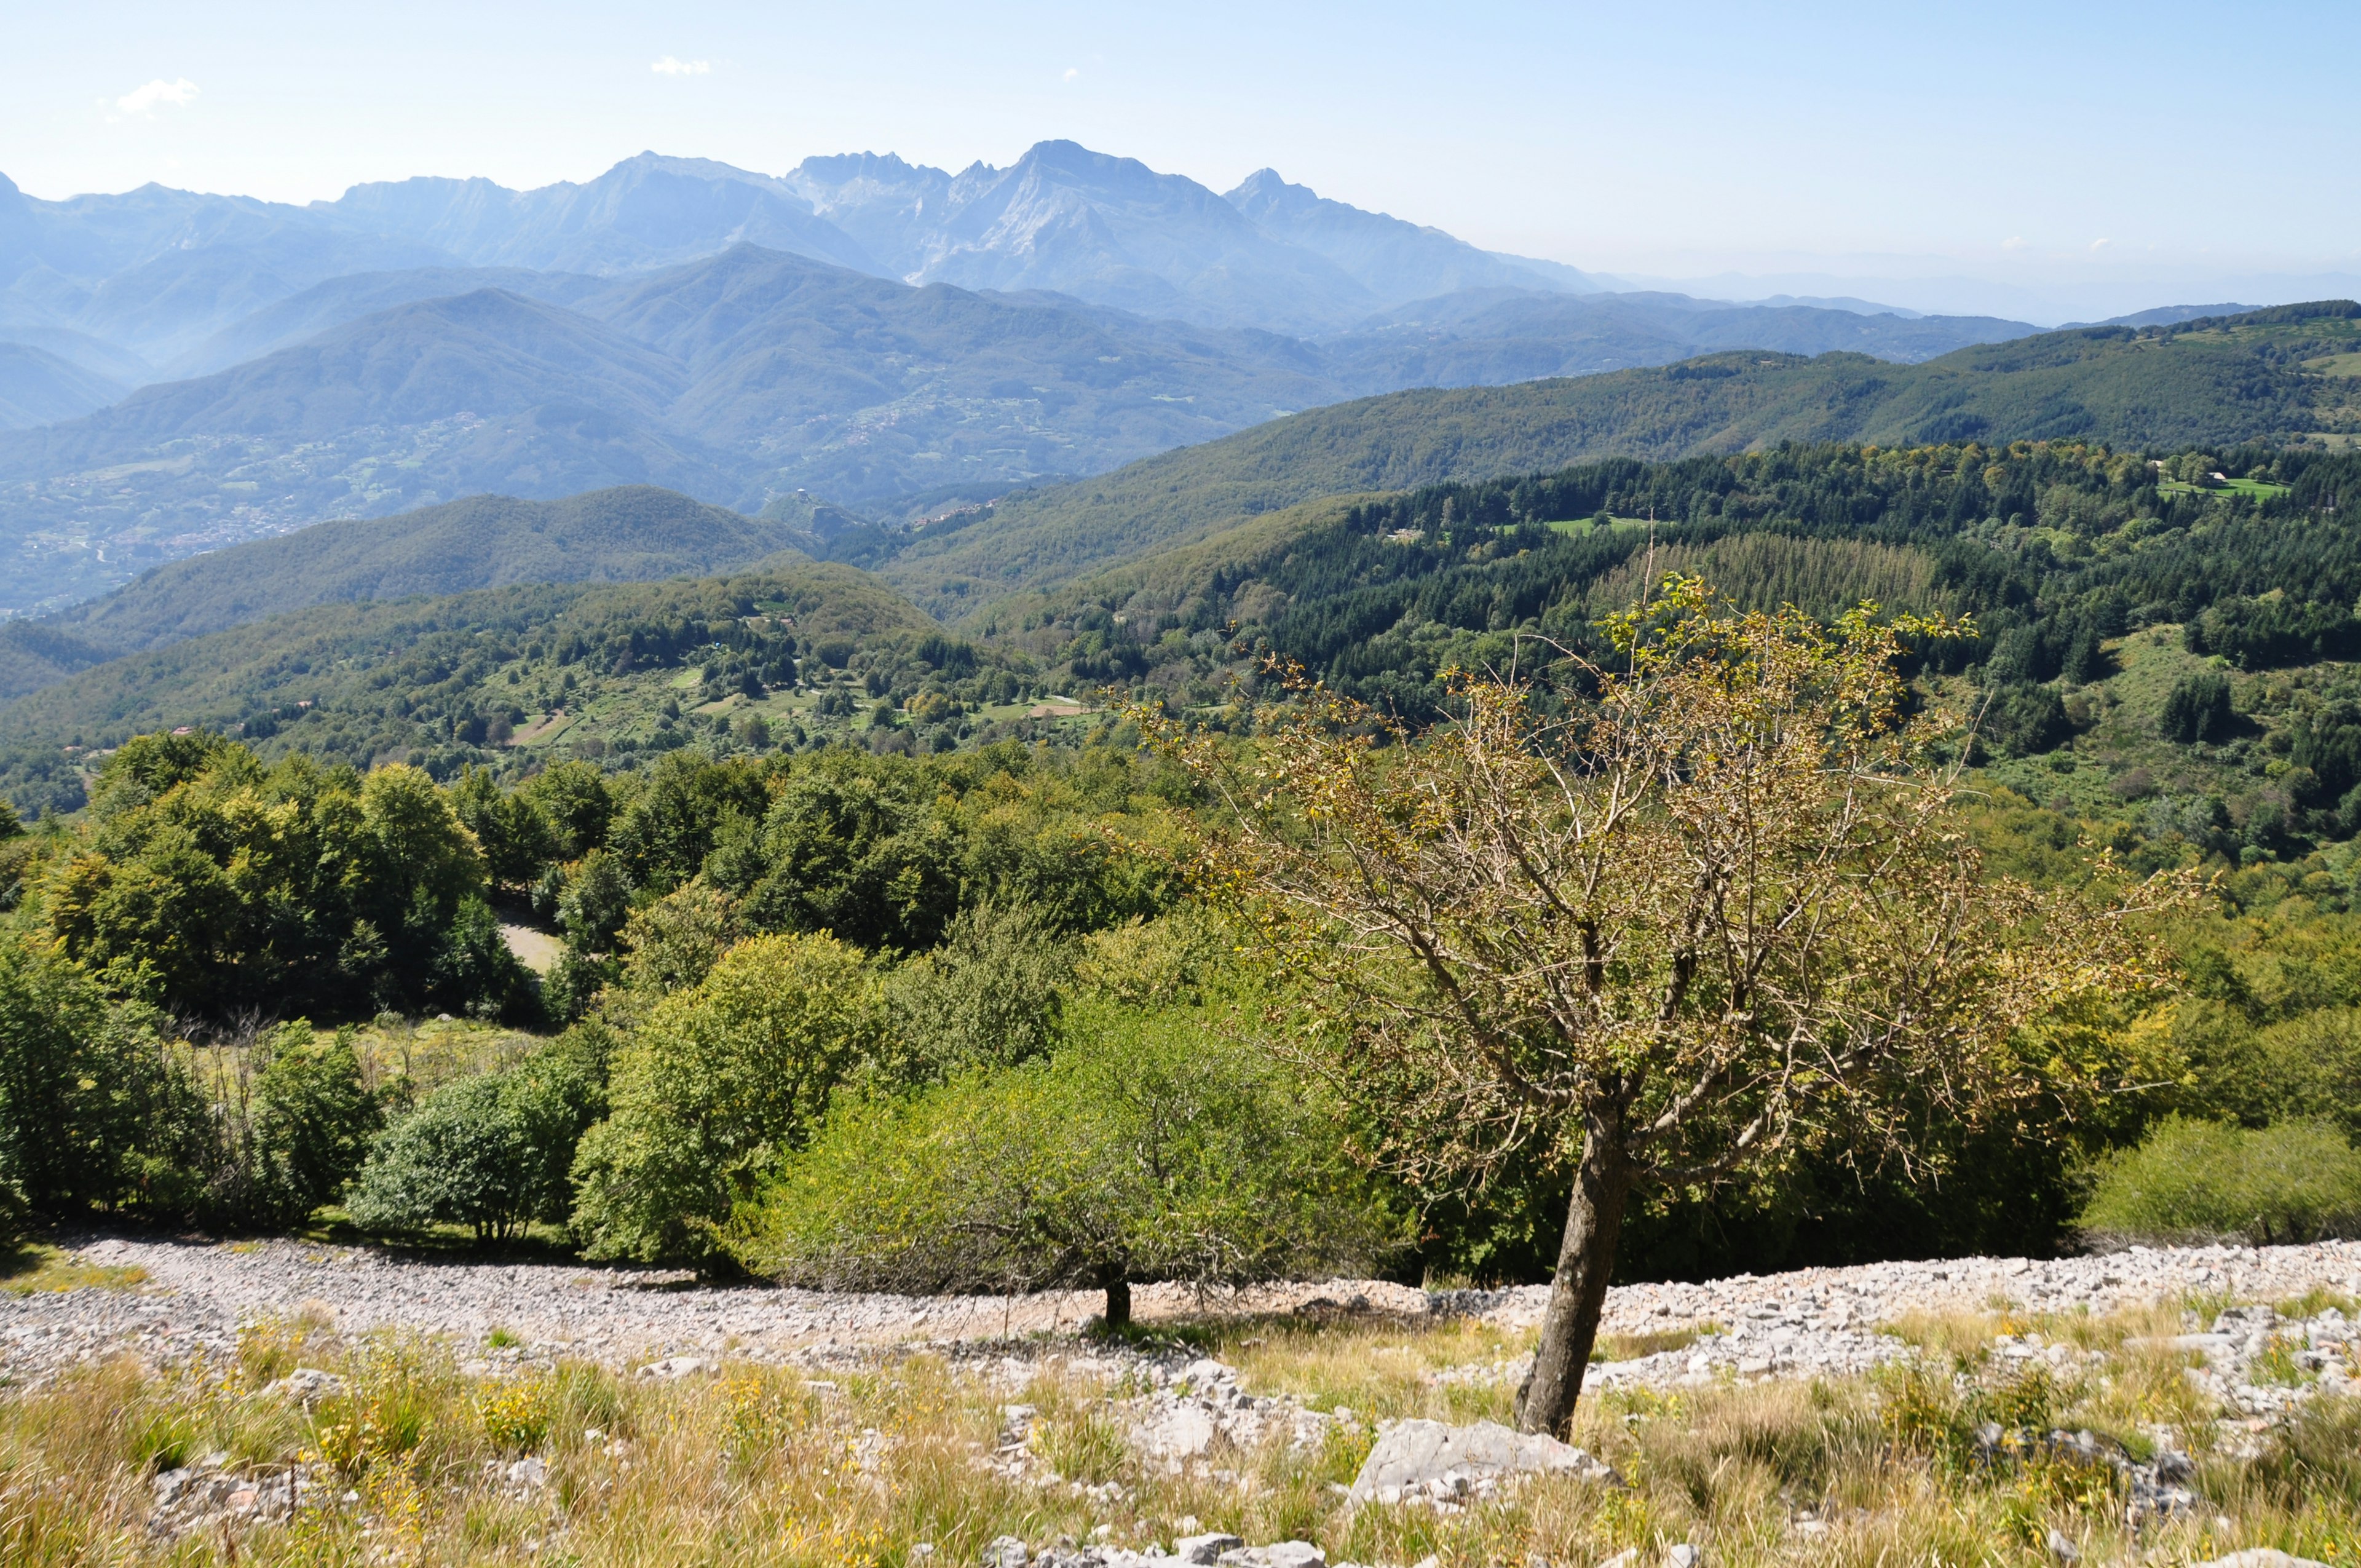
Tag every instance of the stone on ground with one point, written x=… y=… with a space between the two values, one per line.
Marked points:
x=1414 y=1457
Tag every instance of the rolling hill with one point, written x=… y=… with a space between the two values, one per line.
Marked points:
x=635 y=533
x=37 y=387
x=2198 y=383
x=508 y=677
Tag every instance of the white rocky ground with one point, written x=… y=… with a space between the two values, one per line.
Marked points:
x=1826 y=1320
x=1178 y=1410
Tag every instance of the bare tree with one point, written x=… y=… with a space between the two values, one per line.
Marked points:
x=1716 y=907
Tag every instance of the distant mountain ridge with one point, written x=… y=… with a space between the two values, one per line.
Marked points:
x=737 y=379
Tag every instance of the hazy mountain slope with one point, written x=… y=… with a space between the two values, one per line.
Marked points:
x=856 y=388
x=888 y=205
x=163 y=308
x=646 y=211
x=2172 y=385
x=423 y=403
x=155 y=270
x=1108 y=230
x=1395 y=261
x=39 y=387
x=1485 y=337
x=33 y=654
x=634 y=533
x=84 y=352
x=752 y=373
x=485 y=353
x=326 y=306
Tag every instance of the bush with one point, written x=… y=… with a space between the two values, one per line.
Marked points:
x=991 y=995
x=1152 y=1148
x=295 y=1123
x=716 y=1087
x=492 y=1151
x=675 y=941
x=2194 y=1181
x=93 y=1110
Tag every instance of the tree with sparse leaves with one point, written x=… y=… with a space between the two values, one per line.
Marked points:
x=1673 y=915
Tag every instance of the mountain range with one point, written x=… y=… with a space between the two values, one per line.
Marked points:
x=187 y=371
x=367 y=638
x=2276 y=374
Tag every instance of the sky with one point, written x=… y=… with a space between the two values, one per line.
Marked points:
x=2033 y=160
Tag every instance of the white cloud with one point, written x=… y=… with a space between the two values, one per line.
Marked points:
x=1072 y=74
x=143 y=100
x=2013 y=242
x=2100 y=244
x=668 y=66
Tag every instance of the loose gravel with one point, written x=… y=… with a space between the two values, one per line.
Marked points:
x=197 y=1293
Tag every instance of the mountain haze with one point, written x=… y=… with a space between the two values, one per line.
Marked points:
x=634 y=533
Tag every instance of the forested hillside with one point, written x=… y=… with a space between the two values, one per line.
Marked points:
x=790 y=655
x=626 y=534
x=2164 y=660
x=2270 y=375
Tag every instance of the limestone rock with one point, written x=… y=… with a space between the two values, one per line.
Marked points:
x=1204 y=1549
x=1282 y=1554
x=1413 y=1457
x=2262 y=1557
x=676 y=1367
x=307 y=1385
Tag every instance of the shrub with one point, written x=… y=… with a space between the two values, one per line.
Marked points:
x=492 y=1151
x=991 y=995
x=675 y=941
x=93 y=1110
x=294 y=1122
x=2190 y=1180
x=716 y=1087
x=1152 y=1148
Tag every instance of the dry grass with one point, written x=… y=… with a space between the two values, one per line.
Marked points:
x=764 y=1465
x=36 y=1267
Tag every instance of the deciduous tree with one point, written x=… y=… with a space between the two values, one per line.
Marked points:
x=1661 y=919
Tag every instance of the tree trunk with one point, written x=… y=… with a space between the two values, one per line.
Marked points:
x=1118 y=1302
x=1594 y=1224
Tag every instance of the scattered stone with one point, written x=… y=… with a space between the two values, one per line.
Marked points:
x=206 y=1496
x=1421 y=1459
x=1685 y=1556
x=529 y=1472
x=1282 y=1554
x=307 y=1385
x=1207 y=1547
x=2062 y=1549
x=1005 y=1551
x=2262 y=1557
x=676 y=1367
x=1175 y=1432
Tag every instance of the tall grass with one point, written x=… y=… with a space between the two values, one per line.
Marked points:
x=762 y=1464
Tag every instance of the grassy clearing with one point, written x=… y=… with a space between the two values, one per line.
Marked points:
x=2254 y=489
x=765 y=1465
x=36 y=1267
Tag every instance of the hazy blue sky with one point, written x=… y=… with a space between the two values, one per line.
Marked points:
x=2051 y=147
